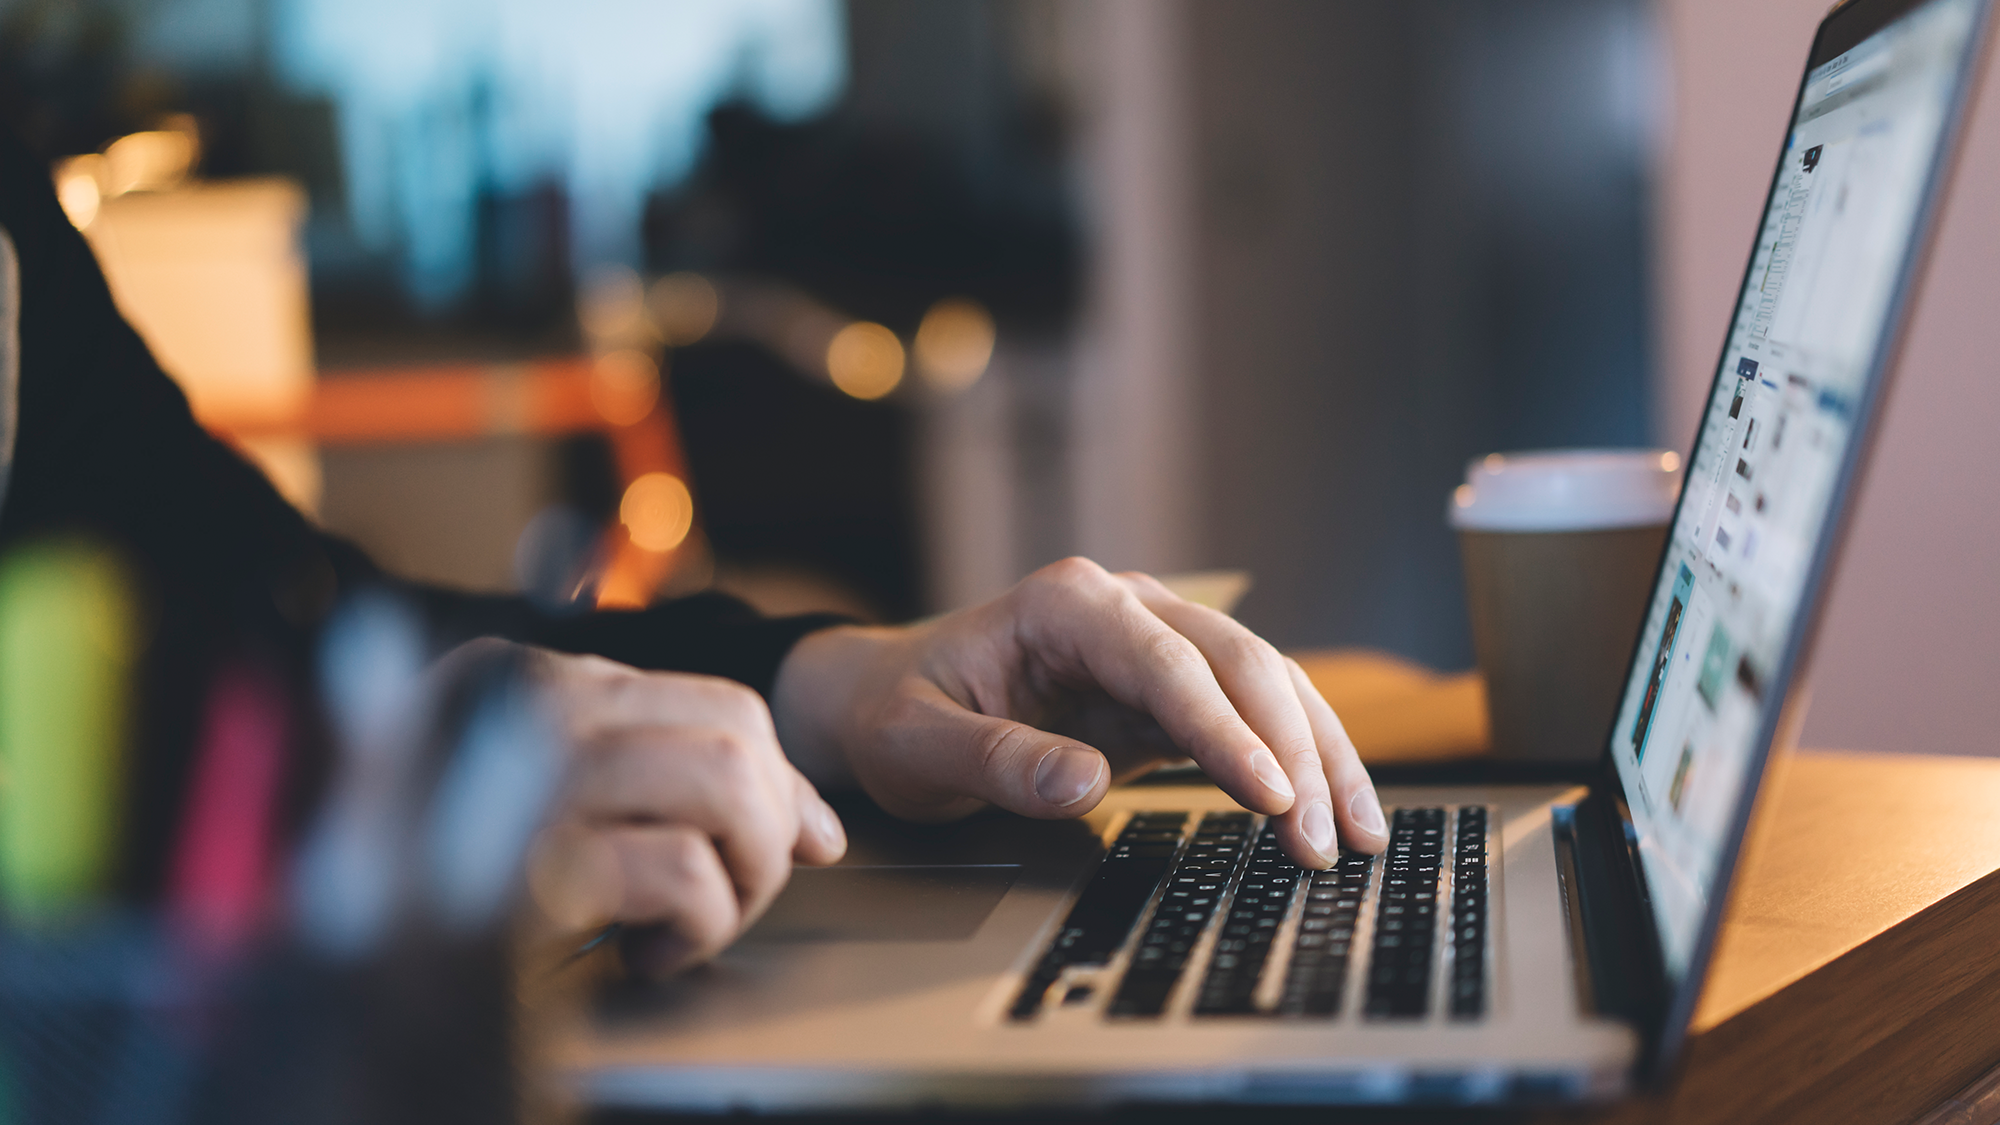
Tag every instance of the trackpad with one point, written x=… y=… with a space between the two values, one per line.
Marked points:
x=885 y=903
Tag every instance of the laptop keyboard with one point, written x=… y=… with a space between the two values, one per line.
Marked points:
x=1192 y=897
x=1281 y=941
x=1399 y=967
x=1468 y=916
x=1262 y=898
x=1317 y=977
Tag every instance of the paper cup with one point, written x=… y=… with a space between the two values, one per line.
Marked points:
x=1559 y=548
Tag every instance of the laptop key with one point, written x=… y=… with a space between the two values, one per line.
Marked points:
x=1467 y=992
x=1105 y=913
x=1316 y=976
x=1269 y=880
x=1215 y=848
x=1399 y=971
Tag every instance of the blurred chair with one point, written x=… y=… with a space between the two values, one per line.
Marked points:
x=616 y=394
x=211 y=274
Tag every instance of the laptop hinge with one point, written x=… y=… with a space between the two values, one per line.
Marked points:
x=1621 y=974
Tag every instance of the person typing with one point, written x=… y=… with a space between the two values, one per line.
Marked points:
x=697 y=735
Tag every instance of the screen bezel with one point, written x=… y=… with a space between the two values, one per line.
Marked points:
x=1846 y=26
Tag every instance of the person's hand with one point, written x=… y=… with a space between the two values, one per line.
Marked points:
x=1036 y=700
x=679 y=814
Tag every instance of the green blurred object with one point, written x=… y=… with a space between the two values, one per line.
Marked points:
x=66 y=653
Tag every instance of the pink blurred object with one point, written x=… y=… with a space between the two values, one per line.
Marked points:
x=222 y=866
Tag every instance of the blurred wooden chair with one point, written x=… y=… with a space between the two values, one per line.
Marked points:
x=616 y=394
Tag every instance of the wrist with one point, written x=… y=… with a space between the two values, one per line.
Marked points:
x=820 y=685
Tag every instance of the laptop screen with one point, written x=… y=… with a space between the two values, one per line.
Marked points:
x=1811 y=321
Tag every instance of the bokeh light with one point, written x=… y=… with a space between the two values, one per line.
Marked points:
x=611 y=309
x=865 y=360
x=624 y=386
x=151 y=161
x=657 y=511
x=684 y=307
x=954 y=343
x=78 y=187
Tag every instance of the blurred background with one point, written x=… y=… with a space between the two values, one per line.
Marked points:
x=878 y=305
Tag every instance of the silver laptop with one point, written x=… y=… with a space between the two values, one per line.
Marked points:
x=1517 y=942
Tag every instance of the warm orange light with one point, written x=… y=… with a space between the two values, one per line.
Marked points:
x=1670 y=461
x=865 y=360
x=954 y=343
x=151 y=161
x=684 y=307
x=624 y=385
x=80 y=189
x=657 y=512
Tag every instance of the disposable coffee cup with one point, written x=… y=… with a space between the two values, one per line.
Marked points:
x=1559 y=548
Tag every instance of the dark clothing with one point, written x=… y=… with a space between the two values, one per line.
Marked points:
x=107 y=445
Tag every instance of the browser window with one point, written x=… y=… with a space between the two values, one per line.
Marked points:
x=1777 y=430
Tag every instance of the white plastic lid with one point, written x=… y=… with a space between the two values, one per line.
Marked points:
x=1567 y=490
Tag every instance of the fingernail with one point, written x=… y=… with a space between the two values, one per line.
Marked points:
x=1067 y=774
x=1267 y=771
x=829 y=826
x=1366 y=810
x=1317 y=825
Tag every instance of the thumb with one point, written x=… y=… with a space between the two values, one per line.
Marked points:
x=948 y=753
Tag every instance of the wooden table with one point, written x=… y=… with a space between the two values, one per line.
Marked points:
x=1858 y=975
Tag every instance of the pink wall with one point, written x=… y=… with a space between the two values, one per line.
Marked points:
x=1909 y=656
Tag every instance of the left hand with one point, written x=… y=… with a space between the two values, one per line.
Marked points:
x=1036 y=700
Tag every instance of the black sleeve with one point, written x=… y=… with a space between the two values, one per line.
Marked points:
x=107 y=445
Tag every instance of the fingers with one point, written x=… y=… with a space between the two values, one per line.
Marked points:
x=681 y=815
x=716 y=781
x=821 y=838
x=1258 y=681
x=1083 y=617
x=665 y=881
x=941 y=761
x=1359 y=810
x=672 y=878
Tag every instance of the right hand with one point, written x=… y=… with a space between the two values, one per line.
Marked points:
x=679 y=816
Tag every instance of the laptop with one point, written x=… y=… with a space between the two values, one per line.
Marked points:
x=1517 y=942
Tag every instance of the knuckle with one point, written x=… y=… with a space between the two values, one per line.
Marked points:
x=732 y=757
x=1139 y=579
x=1170 y=650
x=750 y=712
x=739 y=705
x=1299 y=750
x=686 y=854
x=1075 y=568
x=1066 y=577
x=623 y=689
x=998 y=743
